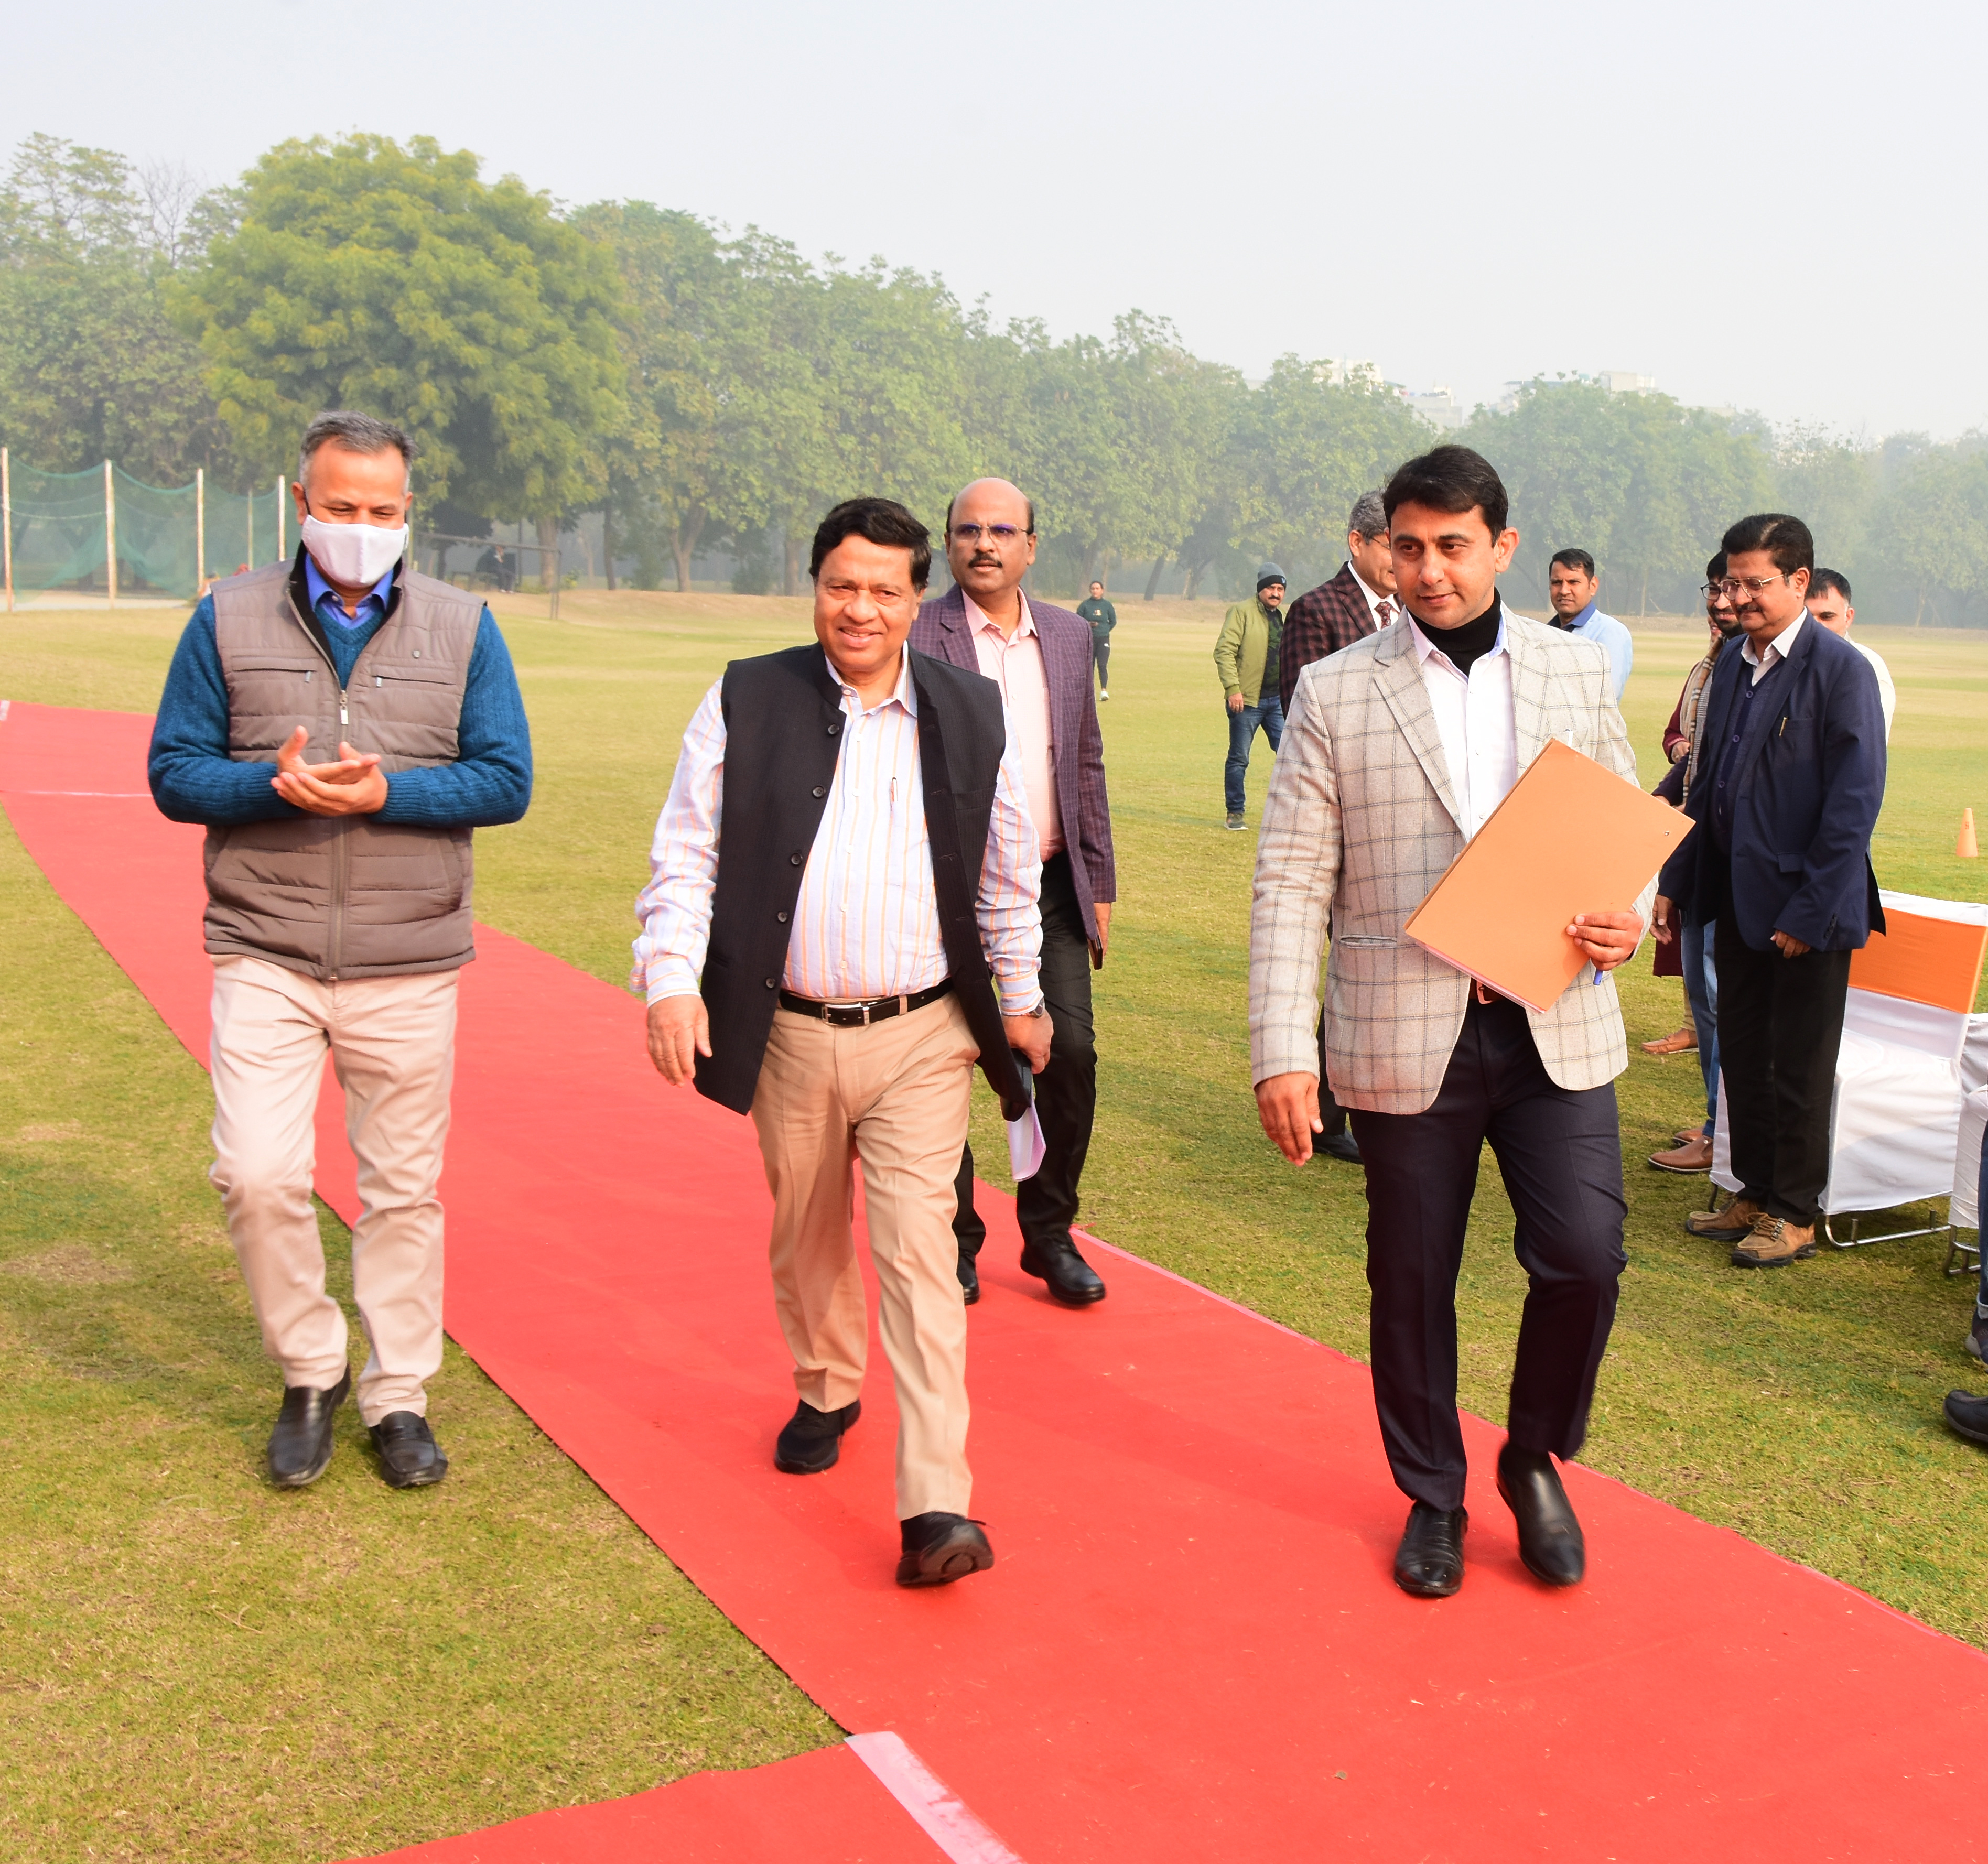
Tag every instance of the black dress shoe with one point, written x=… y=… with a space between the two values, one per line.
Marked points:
x=300 y=1445
x=1967 y=1415
x=1550 y=1537
x=939 y=1548
x=969 y=1280
x=409 y=1456
x=1340 y=1146
x=1429 y=1561
x=1072 y=1280
x=811 y=1440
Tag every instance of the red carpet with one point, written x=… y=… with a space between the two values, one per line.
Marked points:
x=749 y=1817
x=1191 y=1648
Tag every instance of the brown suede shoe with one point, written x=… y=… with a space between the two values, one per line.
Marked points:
x=1675 y=1043
x=1775 y=1243
x=1727 y=1226
x=1695 y=1155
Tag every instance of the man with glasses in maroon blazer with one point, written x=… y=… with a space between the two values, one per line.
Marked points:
x=1040 y=656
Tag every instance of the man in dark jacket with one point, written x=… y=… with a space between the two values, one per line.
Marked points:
x=842 y=916
x=1358 y=602
x=1789 y=777
x=1038 y=656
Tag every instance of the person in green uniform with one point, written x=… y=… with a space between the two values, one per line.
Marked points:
x=1102 y=618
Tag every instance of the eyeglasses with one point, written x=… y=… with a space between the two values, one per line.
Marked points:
x=1708 y=590
x=999 y=536
x=1734 y=587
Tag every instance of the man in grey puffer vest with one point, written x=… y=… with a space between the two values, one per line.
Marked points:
x=339 y=914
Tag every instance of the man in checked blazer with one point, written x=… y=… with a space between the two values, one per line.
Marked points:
x=1397 y=750
x=1040 y=656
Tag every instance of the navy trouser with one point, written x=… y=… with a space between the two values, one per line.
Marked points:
x=1242 y=728
x=1561 y=1152
x=1066 y=1091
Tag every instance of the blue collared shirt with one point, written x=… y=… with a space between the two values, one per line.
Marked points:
x=371 y=607
x=1606 y=631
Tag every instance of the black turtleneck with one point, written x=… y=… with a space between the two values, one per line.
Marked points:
x=1466 y=644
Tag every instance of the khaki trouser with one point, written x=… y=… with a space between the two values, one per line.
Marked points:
x=900 y=1090
x=392 y=1043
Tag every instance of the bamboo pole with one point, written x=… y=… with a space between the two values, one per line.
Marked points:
x=199 y=532
x=111 y=532
x=282 y=550
x=7 y=525
x=248 y=553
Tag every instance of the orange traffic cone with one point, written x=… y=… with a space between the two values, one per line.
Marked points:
x=1965 y=847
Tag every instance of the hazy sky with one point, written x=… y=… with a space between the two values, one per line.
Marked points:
x=1773 y=207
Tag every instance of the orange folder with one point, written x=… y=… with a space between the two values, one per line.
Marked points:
x=1572 y=837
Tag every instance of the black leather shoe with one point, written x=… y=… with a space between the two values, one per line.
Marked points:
x=1429 y=1561
x=300 y=1445
x=969 y=1280
x=811 y=1440
x=1550 y=1537
x=1340 y=1146
x=409 y=1456
x=939 y=1548
x=1072 y=1280
x=1967 y=1415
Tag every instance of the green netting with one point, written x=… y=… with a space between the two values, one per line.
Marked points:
x=60 y=523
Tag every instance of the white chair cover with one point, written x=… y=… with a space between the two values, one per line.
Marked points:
x=1962 y=1213
x=1895 y=1118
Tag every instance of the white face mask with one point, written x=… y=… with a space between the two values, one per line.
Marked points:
x=356 y=555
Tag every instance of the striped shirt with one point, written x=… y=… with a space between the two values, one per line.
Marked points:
x=866 y=923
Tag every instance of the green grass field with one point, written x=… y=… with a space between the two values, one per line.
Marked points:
x=195 y=1667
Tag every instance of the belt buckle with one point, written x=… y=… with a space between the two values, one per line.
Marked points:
x=847 y=1015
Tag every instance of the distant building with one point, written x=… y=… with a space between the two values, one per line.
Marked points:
x=1436 y=406
x=1627 y=382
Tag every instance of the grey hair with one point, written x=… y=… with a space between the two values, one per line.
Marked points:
x=357 y=433
x=1369 y=515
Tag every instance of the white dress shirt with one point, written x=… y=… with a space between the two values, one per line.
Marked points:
x=1014 y=663
x=1374 y=599
x=1888 y=693
x=866 y=923
x=1474 y=722
x=1764 y=662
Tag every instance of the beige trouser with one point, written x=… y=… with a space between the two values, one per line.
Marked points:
x=392 y=1043
x=900 y=1090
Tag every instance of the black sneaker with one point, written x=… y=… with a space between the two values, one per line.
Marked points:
x=812 y=1440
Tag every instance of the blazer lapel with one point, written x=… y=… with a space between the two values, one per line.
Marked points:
x=954 y=633
x=1398 y=673
x=1531 y=694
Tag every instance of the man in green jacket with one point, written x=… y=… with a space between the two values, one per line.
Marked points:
x=1102 y=618
x=1245 y=656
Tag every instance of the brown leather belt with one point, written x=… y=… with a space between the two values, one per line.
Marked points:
x=860 y=1015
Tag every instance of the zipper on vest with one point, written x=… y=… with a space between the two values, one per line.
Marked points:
x=344 y=716
x=334 y=947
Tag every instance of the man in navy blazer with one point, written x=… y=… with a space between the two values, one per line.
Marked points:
x=1040 y=657
x=1789 y=779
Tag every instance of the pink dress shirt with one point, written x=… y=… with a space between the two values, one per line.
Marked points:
x=1014 y=663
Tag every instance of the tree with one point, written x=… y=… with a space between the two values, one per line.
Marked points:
x=364 y=275
x=1312 y=441
x=91 y=368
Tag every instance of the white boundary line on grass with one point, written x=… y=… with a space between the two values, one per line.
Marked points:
x=940 y=1813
